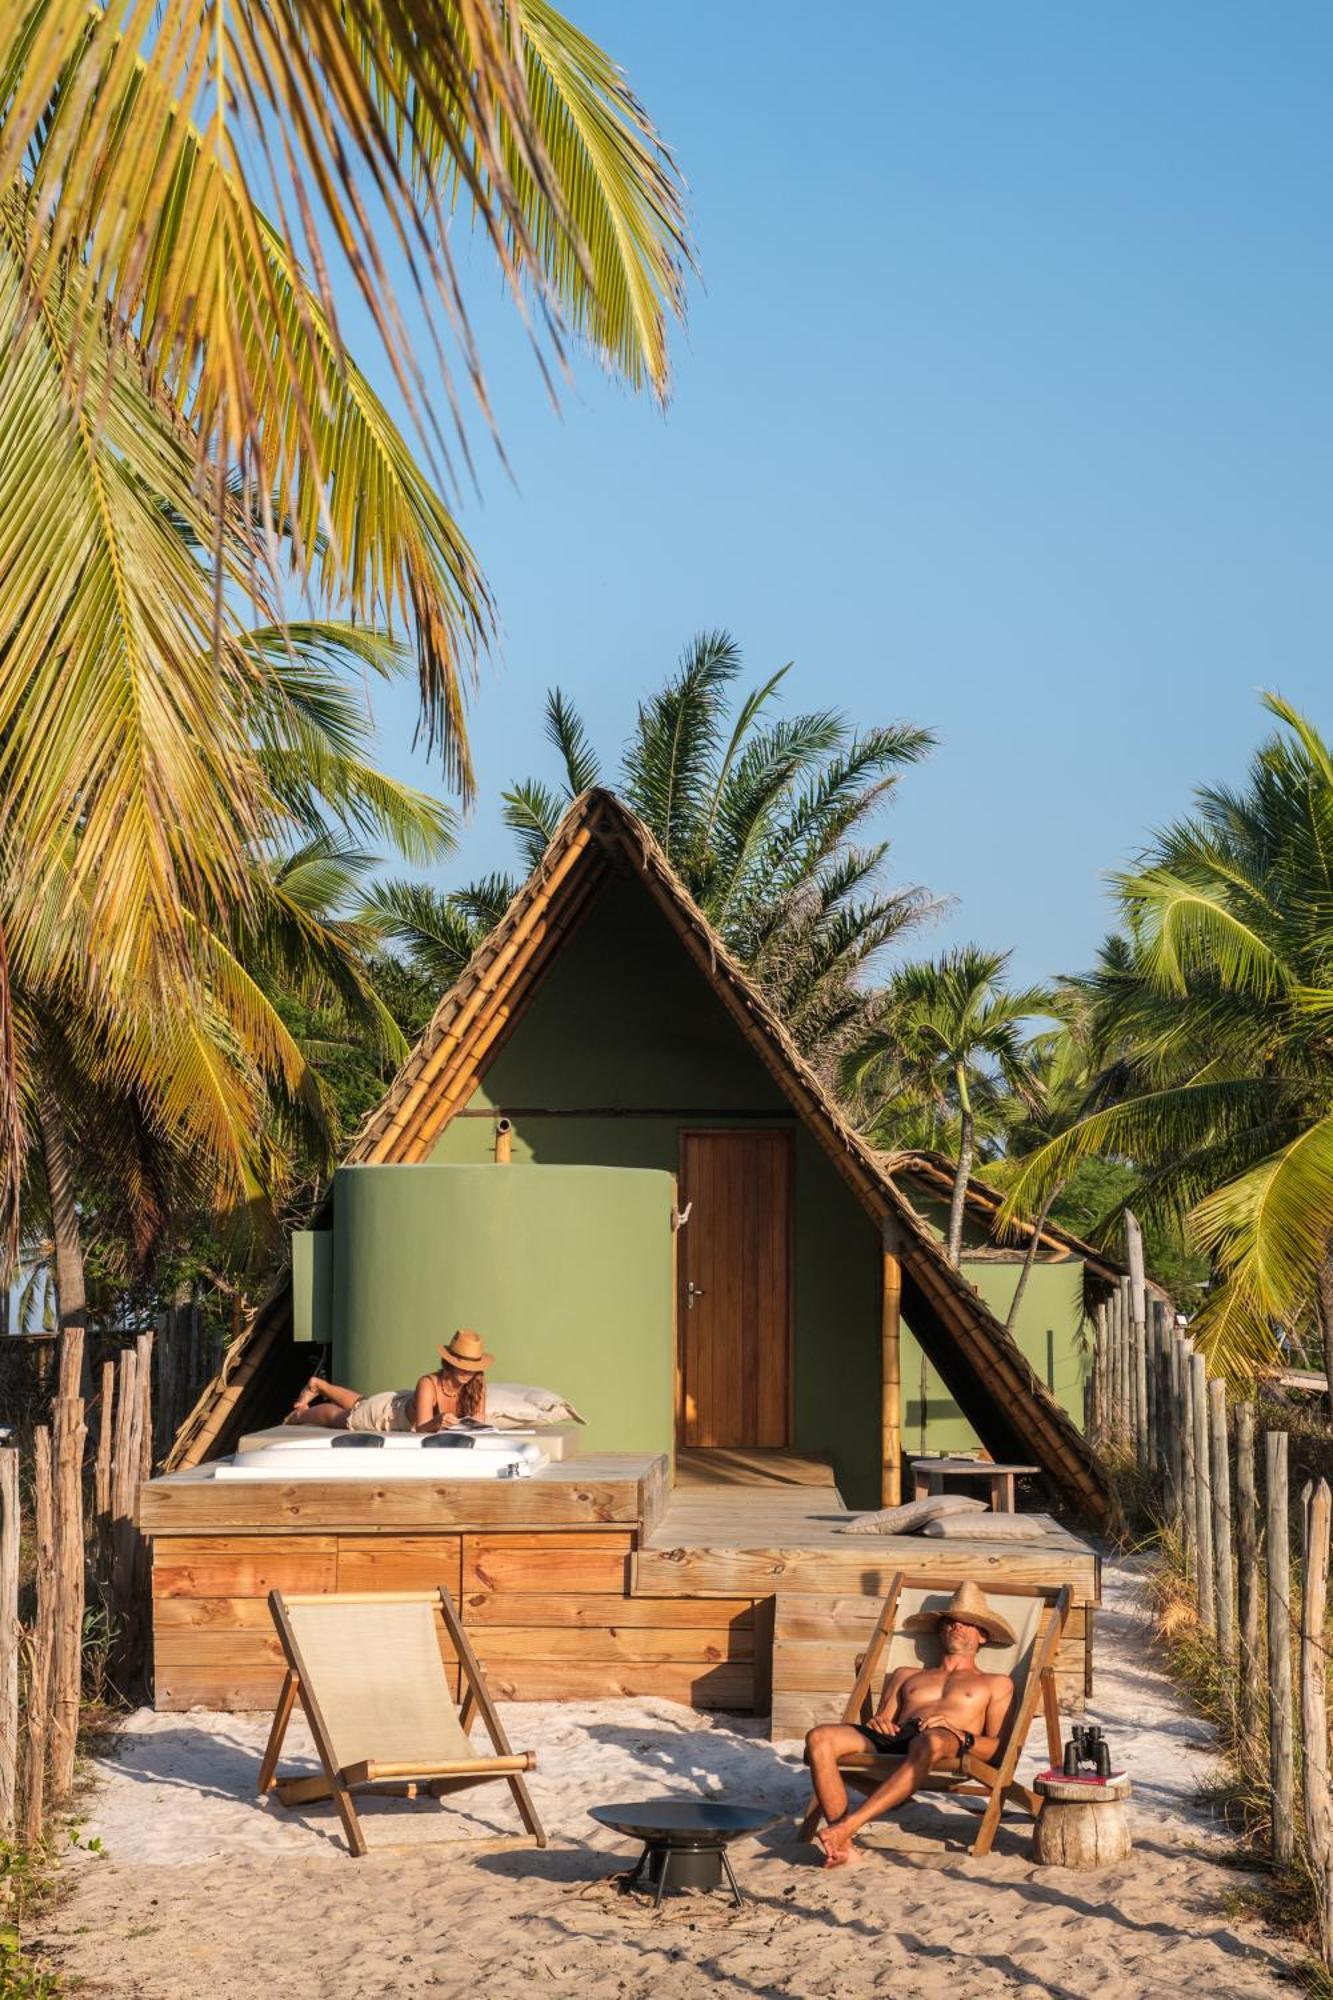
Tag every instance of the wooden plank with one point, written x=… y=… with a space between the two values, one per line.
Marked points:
x=212 y=1614
x=635 y=1644
x=400 y=1562
x=760 y=1572
x=535 y=1608
x=502 y=1564
x=730 y=1686
x=198 y=1567
x=831 y=1618
x=568 y=1494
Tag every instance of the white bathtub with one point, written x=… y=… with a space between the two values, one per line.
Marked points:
x=289 y=1452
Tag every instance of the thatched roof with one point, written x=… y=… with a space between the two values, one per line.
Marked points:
x=982 y=1367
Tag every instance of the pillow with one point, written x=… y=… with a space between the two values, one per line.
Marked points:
x=911 y=1518
x=988 y=1527
x=516 y=1406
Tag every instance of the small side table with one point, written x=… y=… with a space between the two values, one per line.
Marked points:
x=929 y=1475
x=1081 y=1825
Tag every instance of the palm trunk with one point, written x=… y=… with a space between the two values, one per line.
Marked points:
x=71 y=1295
x=960 y=1181
x=1323 y=1293
x=1030 y=1259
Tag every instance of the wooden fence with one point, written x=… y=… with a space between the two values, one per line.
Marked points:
x=76 y=1475
x=1153 y=1404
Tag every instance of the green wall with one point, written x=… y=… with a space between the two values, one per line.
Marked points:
x=566 y=1272
x=1049 y=1332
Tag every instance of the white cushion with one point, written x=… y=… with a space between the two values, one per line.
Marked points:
x=912 y=1517
x=516 y=1405
x=988 y=1527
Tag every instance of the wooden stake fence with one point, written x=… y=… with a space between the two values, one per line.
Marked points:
x=42 y=1647
x=1251 y=1587
x=1317 y=1802
x=9 y=1638
x=1280 y=1748
x=68 y=1434
x=1220 y=1469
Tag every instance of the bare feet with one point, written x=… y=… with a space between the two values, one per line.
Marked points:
x=837 y=1845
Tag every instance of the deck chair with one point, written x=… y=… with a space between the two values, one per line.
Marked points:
x=1037 y=1615
x=367 y=1670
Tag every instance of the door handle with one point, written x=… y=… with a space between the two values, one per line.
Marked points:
x=692 y=1292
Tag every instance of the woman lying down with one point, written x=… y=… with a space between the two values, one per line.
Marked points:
x=456 y=1389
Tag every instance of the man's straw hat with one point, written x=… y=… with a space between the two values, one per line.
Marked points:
x=465 y=1351
x=968 y=1603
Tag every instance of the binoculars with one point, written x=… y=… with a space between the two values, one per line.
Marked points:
x=1087 y=1748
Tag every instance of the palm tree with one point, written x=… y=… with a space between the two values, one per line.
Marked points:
x=758 y=814
x=1214 y=1013
x=204 y=1094
x=181 y=189
x=196 y=183
x=948 y=1037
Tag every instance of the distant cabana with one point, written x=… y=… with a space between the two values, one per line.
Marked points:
x=623 y=1168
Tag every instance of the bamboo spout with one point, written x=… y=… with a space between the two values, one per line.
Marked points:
x=504 y=1139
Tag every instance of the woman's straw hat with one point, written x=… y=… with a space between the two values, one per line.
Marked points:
x=465 y=1351
x=968 y=1603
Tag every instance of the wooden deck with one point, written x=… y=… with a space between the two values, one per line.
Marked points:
x=591 y=1580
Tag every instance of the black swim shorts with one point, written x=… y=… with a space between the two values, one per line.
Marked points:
x=895 y=1745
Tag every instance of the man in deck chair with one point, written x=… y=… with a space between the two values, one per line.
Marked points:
x=926 y=1714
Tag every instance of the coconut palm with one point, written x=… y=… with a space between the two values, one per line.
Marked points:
x=202 y=1093
x=950 y=1039
x=198 y=182
x=759 y=815
x=1216 y=1018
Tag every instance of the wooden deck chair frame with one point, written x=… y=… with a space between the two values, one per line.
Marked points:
x=997 y=1782
x=440 y=1779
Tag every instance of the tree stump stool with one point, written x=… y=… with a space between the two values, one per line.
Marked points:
x=1081 y=1825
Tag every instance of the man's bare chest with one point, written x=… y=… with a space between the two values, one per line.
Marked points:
x=931 y=1686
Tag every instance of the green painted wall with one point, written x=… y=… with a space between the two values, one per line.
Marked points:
x=1049 y=1332
x=565 y=1271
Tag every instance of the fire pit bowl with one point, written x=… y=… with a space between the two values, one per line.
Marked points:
x=685 y=1841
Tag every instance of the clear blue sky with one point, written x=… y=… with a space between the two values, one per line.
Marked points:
x=1004 y=406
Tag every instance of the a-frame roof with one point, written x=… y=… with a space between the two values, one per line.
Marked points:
x=599 y=837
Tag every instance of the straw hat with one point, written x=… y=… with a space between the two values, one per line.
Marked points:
x=968 y=1603
x=465 y=1351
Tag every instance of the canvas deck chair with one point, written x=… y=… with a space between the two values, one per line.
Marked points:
x=367 y=1670
x=1037 y=1615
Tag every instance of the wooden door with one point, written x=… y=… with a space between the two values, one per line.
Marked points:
x=734 y=1303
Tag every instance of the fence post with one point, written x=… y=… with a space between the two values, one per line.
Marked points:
x=1247 y=1565
x=1314 y=1707
x=1189 y=1499
x=1203 y=1492
x=43 y=1642
x=1175 y=1437
x=1280 y=1753
x=1128 y=1377
x=68 y=1434
x=1221 y=1481
x=9 y=1637
x=1138 y=1319
x=1099 y=1359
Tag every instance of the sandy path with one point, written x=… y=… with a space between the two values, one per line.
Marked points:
x=205 y=1892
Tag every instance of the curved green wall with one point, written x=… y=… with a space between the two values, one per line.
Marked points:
x=566 y=1272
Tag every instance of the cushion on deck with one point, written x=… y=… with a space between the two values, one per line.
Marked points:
x=520 y=1405
x=912 y=1517
x=988 y=1527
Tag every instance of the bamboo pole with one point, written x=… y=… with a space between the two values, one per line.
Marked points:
x=891 y=1380
x=1318 y=1801
x=1203 y=1492
x=1221 y=1482
x=43 y=1642
x=9 y=1638
x=1189 y=1503
x=1247 y=1566
x=68 y=1434
x=1280 y=1749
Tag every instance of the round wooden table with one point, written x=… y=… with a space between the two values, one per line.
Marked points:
x=1082 y=1824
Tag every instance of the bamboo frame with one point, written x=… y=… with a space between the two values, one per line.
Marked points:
x=891 y=1378
x=339 y=1783
x=996 y=1782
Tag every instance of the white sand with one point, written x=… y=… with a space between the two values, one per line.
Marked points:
x=203 y=1890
